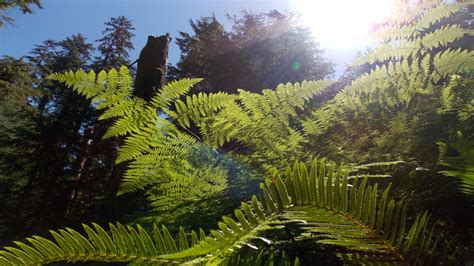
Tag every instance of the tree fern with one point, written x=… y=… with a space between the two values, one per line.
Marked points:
x=370 y=228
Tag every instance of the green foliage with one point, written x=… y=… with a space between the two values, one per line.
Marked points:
x=386 y=114
x=457 y=99
x=265 y=125
x=160 y=152
x=370 y=228
x=18 y=140
x=160 y=155
x=16 y=82
x=120 y=244
x=417 y=93
x=409 y=22
x=459 y=158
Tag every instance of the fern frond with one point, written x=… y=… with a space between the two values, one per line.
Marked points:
x=405 y=48
x=401 y=49
x=198 y=106
x=233 y=234
x=233 y=115
x=443 y=36
x=263 y=123
x=393 y=85
x=80 y=81
x=460 y=166
x=117 y=89
x=171 y=92
x=321 y=201
x=119 y=244
x=152 y=143
x=295 y=95
x=394 y=33
x=454 y=62
x=440 y=12
x=370 y=224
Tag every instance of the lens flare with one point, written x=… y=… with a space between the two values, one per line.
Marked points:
x=296 y=65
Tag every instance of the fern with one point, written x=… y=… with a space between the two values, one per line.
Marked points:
x=262 y=123
x=457 y=98
x=454 y=62
x=370 y=228
x=409 y=80
x=400 y=49
x=158 y=151
x=405 y=48
x=120 y=244
x=439 y=12
x=443 y=36
x=354 y=217
x=411 y=20
x=417 y=36
x=200 y=105
x=154 y=147
x=460 y=166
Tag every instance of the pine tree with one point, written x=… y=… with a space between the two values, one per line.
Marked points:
x=115 y=44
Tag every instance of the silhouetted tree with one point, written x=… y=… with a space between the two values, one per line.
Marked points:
x=24 y=6
x=62 y=117
x=18 y=140
x=261 y=51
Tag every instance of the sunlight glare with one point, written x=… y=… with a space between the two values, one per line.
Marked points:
x=342 y=23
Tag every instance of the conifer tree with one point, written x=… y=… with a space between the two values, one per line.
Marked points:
x=18 y=139
x=115 y=43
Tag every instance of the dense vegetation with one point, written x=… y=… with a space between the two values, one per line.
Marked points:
x=377 y=167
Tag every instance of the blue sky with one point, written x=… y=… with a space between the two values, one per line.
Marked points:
x=62 y=18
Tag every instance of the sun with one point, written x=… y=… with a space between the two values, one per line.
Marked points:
x=342 y=23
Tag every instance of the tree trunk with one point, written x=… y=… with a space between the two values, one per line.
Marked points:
x=78 y=168
x=151 y=73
